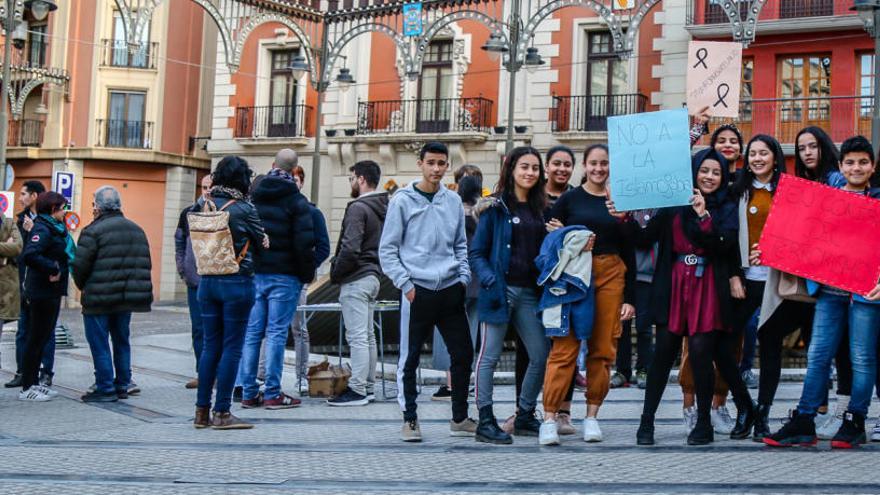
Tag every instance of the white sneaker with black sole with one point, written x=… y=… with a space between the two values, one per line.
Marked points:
x=348 y=398
x=33 y=394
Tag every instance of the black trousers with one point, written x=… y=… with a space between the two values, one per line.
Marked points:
x=445 y=310
x=703 y=349
x=42 y=316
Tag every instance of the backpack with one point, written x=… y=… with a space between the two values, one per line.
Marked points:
x=212 y=242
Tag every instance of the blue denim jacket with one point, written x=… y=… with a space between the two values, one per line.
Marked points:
x=576 y=298
x=814 y=287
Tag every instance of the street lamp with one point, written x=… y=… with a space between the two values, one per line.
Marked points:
x=344 y=79
x=533 y=59
x=495 y=47
x=869 y=12
x=298 y=67
x=39 y=9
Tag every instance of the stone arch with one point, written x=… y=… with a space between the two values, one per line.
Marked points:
x=611 y=19
x=264 y=18
x=335 y=50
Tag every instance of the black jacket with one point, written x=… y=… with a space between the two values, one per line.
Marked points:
x=245 y=225
x=44 y=256
x=287 y=218
x=112 y=266
x=721 y=247
x=25 y=238
x=357 y=251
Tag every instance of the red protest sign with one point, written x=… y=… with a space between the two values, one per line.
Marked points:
x=823 y=234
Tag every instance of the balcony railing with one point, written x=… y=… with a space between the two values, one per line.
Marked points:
x=116 y=53
x=425 y=116
x=840 y=116
x=26 y=132
x=135 y=134
x=271 y=121
x=711 y=12
x=589 y=113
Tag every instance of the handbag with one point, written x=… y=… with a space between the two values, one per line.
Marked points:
x=793 y=288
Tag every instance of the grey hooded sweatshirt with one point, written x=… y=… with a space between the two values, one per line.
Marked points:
x=424 y=243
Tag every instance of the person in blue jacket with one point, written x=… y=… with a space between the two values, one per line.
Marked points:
x=835 y=309
x=502 y=256
x=47 y=258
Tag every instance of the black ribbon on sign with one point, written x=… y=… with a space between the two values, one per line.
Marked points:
x=702 y=53
x=722 y=87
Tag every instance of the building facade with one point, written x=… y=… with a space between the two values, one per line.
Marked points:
x=136 y=119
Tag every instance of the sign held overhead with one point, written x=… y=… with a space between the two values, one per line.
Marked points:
x=714 y=77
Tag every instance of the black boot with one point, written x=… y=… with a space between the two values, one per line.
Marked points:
x=800 y=430
x=703 y=433
x=488 y=430
x=762 y=423
x=851 y=433
x=15 y=382
x=526 y=424
x=645 y=435
x=745 y=419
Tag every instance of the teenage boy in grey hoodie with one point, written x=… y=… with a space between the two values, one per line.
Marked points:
x=423 y=251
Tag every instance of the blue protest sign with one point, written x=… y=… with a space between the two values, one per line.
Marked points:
x=650 y=157
x=412 y=19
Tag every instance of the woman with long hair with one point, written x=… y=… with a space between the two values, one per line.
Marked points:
x=226 y=300
x=691 y=298
x=502 y=256
x=614 y=286
x=754 y=189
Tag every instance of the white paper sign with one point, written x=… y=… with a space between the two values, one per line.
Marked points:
x=714 y=77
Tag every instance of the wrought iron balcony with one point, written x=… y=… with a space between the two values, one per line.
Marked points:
x=840 y=116
x=135 y=134
x=274 y=121
x=425 y=116
x=711 y=12
x=589 y=113
x=117 y=53
x=26 y=133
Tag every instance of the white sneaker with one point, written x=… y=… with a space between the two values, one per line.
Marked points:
x=592 y=432
x=689 y=416
x=46 y=390
x=548 y=434
x=721 y=420
x=33 y=394
x=829 y=429
x=822 y=418
x=875 y=435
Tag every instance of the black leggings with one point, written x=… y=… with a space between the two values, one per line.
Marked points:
x=703 y=349
x=788 y=317
x=42 y=316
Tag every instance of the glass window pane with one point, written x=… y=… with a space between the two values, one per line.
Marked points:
x=598 y=77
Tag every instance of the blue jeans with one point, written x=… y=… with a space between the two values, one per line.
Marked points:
x=274 y=306
x=832 y=314
x=100 y=331
x=226 y=302
x=195 y=319
x=48 y=359
x=749 y=343
x=522 y=306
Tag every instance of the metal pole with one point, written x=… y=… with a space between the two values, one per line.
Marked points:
x=513 y=67
x=9 y=26
x=322 y=86
x=875 y=116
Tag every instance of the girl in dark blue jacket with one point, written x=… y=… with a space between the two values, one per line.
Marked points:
x=507 y=241
x=46 y=258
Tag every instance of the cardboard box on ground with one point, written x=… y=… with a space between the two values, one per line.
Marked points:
x=328 y=380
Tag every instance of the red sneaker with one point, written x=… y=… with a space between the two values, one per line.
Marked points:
x=283 y=401
x=254 y=403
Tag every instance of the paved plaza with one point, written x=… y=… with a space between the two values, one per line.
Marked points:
x=146 y=444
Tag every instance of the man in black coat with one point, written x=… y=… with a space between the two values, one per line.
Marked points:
x=280 y=272
x=112 y=269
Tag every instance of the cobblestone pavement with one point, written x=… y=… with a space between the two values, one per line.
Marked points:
x=146 y=444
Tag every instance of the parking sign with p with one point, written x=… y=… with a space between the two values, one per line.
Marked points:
x=63 y=184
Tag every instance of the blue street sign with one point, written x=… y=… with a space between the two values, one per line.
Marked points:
x=63 y=184
x=412 y=19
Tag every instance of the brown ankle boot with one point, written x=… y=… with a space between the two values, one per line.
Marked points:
x=226 y=421
x=203 y=417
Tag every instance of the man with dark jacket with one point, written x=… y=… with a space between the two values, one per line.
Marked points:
x=112 y=269
x=280 y=272
x=356 y=268
x=186 y=268
x=25 y=222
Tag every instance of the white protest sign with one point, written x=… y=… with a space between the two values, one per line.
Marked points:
x=714 y=77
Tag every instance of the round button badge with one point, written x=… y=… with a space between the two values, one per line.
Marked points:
x=753 y=210
x=516 y=220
